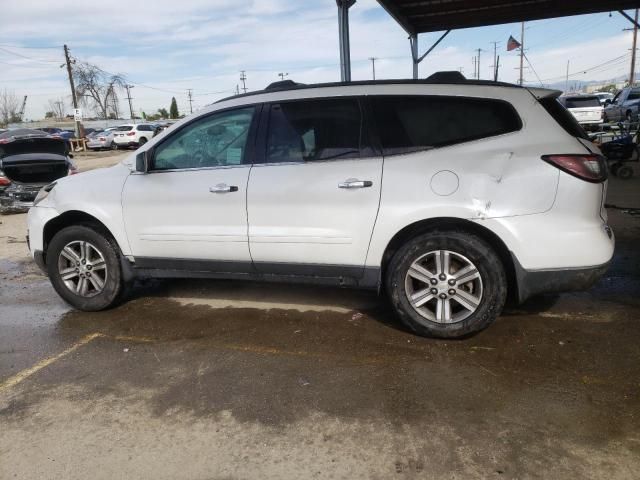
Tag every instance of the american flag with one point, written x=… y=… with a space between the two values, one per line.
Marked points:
x=512 y=44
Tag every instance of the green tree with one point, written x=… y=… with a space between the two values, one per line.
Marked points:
x=173 y=109
x=163 y=113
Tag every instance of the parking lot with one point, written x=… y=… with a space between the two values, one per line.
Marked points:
x=218 y=379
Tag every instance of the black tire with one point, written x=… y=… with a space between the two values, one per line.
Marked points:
x=605 y=118
x=614 y=168
x=142 y=141
x=113 y=284
x=473 y=248
x=624 y=172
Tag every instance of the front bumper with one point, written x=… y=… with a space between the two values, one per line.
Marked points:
x=536 y=282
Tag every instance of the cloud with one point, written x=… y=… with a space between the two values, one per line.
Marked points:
x=204 y=44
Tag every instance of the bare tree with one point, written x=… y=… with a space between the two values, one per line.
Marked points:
x=96 y=88
x=57 y=107
x=9 y=105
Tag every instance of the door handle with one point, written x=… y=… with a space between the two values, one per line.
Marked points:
x=355 y=183
x=223 y=188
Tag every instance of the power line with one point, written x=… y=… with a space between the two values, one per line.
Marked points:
x=29 y=58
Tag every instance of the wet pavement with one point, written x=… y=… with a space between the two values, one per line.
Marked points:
x=221 y=380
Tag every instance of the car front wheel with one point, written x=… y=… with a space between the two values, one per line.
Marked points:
x=84 y=267
x=446 y=284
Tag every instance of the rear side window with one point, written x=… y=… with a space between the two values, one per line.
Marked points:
x=563 y=117
x=581 y=102
x=124 y=128
x=312 y=130
x=413 y=123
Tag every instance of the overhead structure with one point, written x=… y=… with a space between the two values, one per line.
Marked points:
x=423 y=16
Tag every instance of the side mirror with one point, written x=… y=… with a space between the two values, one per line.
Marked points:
x=142 y=162
x=607 y=102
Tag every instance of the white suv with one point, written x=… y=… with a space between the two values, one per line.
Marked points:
x=133 y=135
x=446 y=194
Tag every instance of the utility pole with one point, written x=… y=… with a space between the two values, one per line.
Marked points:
x=495 y=61
x=128 y=87
x=373 y=66
x=189 y=90
x=282 y=75
x=566 y=85
x=73 y=87
x=237 y=89
x=478 y=69
x=632 y=75
x=243 y=79
x=522 y=55
x=495 y=74
x=475 y=67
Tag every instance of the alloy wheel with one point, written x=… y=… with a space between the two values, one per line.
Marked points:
x=82 y=268
x=443 y=286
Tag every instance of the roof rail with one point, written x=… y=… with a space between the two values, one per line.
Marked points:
x=453 y=78
x=283 y=85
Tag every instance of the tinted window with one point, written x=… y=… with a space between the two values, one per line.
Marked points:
x=124 y=128
x=563 y=117
x=314 y=130
x=634 y=94
x=217 y=140
x=581 y=102
x=409 y=124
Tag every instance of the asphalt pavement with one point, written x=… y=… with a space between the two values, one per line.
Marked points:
x=232 y=380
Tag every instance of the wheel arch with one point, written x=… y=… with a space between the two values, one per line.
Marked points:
x=69 y=218
x=451 y=223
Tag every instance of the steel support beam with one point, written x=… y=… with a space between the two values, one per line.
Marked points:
x=413 y=41
x=343 y=31
x=628 y=17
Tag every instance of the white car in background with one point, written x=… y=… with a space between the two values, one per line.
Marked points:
x=603 y=97
x=488 y=189
x=586 y=108
x=133 y=135
x=102 y=139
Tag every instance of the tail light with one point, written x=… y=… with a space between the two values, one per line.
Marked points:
x=4 y=181
x=590 y=167
x=131 y=134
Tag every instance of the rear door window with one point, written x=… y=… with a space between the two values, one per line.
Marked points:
x=413 y=123
x=581 y=102
x=314 y=130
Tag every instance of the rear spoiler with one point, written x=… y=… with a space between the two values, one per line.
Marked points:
x=541 y=93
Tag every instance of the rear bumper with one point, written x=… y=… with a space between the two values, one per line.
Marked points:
x=536 y=282
x=18 y=197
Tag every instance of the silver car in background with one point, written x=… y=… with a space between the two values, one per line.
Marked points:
x=101 y=140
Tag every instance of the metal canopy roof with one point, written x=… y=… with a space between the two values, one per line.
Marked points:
x=422 y=16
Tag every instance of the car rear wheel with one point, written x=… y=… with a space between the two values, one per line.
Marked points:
x=84 y=267
x=624 y=172
x=446 y=284
x=142 y=141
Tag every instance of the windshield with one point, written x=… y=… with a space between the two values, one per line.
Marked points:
x=582 y=102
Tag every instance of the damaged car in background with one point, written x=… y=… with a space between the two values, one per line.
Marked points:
x=29 y=160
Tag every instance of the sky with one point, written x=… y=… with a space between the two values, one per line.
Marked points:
x=164 y=47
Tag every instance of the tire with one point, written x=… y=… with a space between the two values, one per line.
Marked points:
x=614 y=168
x=485 y=295
x=605 y=118
x=142 y=141
x=625 y=172
x=100 y=247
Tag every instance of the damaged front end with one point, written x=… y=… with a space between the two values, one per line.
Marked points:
x=28 y=163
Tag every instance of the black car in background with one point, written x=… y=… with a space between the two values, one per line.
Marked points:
x=29 y=160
